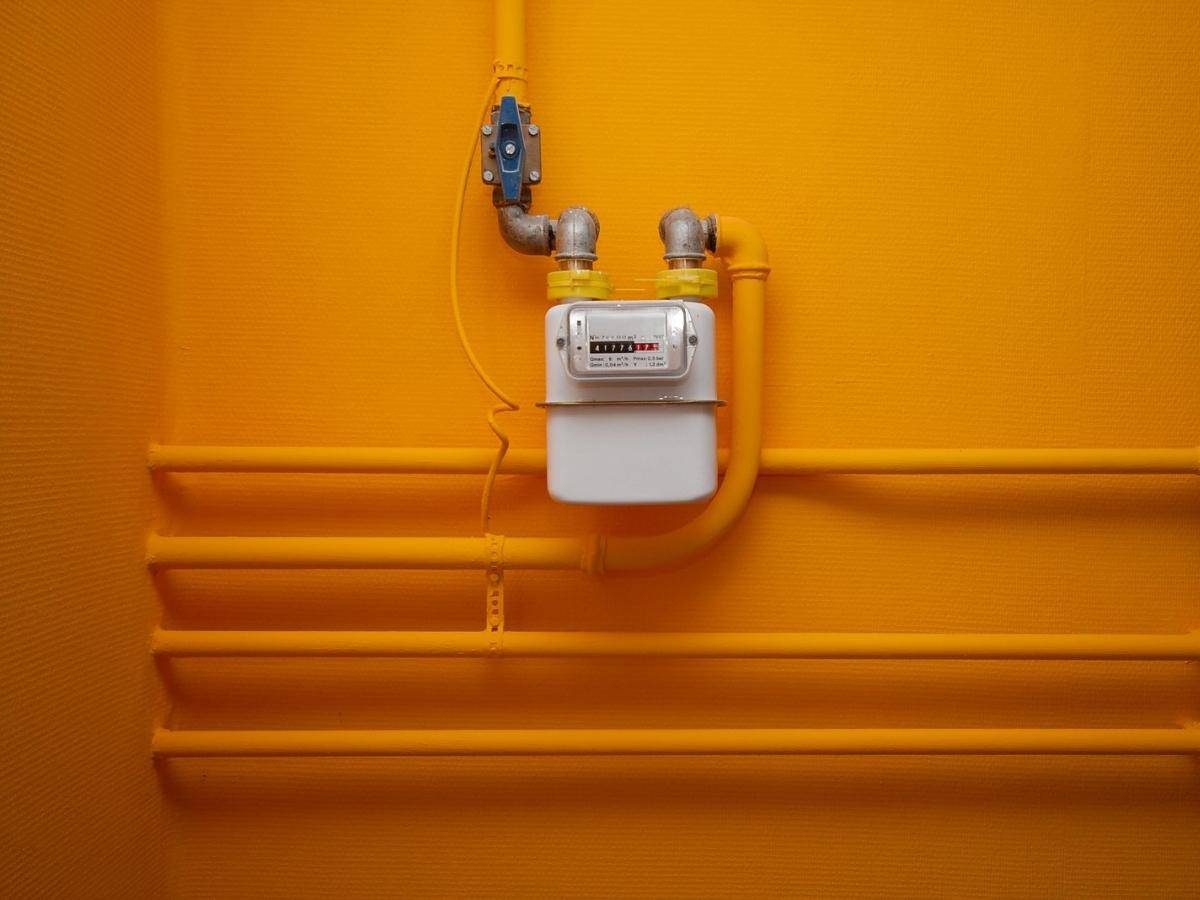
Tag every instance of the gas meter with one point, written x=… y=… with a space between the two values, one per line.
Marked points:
x=631 y=391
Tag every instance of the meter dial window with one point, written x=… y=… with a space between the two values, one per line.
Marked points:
x=629 y=340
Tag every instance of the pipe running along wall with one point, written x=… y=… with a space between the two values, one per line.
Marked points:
x=509 y=65
x=680 y=741
x=677 y=645
x=741 y=247
x=773 y=460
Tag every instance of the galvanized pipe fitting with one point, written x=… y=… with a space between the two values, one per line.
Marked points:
x=572 y=238
x=685 y=237
x=575 y=238
x=525 y=233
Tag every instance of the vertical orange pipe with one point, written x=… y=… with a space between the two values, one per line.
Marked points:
x=509 y=65
x=742 y=248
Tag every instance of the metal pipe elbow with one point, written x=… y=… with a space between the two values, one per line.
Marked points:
x=575 y=237
x=741 y=246
x=524 y=232
x=685 y=237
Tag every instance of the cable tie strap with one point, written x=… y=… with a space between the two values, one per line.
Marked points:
x=495 y=594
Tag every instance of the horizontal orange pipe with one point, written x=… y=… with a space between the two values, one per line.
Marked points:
x=361 y=553
x=775 y=461
x=679 y=741
x=354 y=460
x=761 y=645
x=1013 y=461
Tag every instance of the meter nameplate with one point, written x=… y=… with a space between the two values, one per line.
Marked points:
x=629 y=340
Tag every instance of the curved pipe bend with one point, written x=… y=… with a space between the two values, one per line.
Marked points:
x=740 y=245
x=524 y=232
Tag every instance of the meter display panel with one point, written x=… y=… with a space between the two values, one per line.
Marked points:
x=635 y=340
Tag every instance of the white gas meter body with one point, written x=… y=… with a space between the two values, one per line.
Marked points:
x=631 y=402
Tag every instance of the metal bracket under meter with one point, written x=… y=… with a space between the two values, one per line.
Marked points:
x=510 y=150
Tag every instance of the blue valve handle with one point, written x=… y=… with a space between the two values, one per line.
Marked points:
x=510 y=149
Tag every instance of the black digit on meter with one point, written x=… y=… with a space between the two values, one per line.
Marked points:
x=610 y=347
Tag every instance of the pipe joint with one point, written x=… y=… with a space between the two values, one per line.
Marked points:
x=572 y=238
x=742 y=247
x=525 y=233
x=575 y=237
x=685 y=237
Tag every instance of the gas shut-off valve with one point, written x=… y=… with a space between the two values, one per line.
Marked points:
x=630 y=385
x=511 y=152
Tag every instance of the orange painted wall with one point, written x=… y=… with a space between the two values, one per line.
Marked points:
x=81 y=387
x=982 y=221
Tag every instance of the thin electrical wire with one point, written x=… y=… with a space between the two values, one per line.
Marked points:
x=507 y=404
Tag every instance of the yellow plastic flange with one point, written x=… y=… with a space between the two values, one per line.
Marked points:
x=686 y=283
x=578 y=284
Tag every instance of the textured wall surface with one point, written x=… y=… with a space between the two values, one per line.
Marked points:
x=982 y=219
x=983 y=224
x=81 y=362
